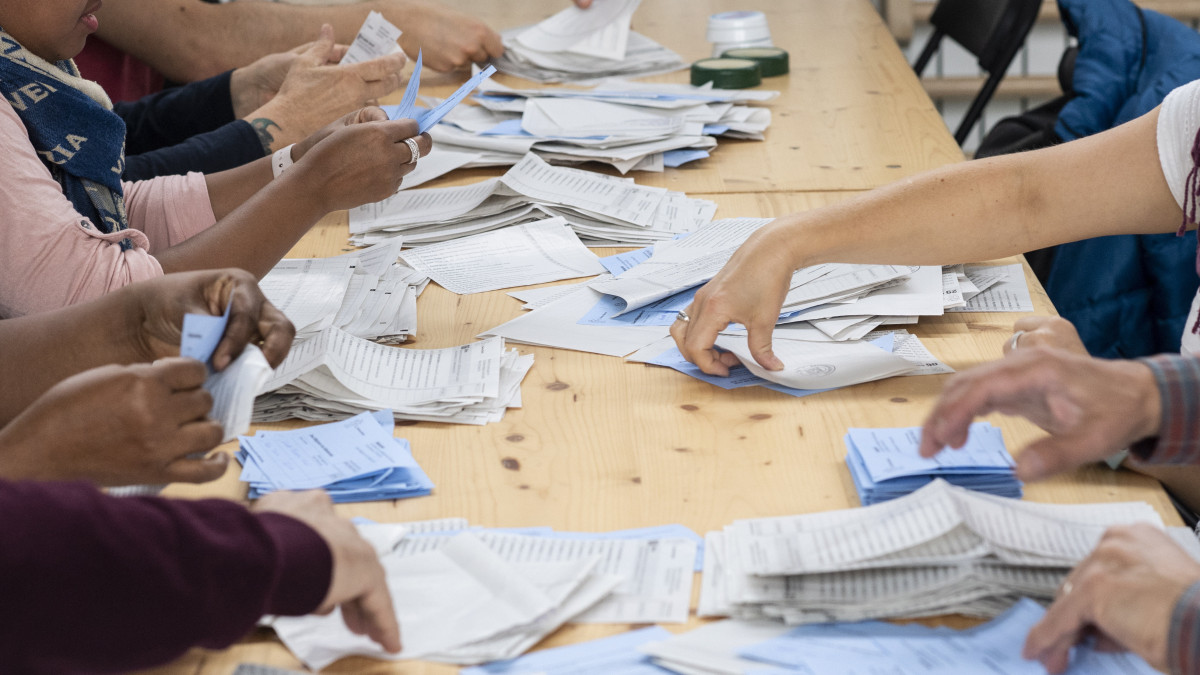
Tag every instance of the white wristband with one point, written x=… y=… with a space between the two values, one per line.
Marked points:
x=282 y=160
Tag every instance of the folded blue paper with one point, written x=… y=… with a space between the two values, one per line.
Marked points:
x=426 y=119
x=912 y=649
x=354 y=460
x=616 y=655
x=884 y=463
x=677 y=158
x=201 y=334
x=623 y=262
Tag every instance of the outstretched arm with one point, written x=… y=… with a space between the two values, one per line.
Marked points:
x=1110 y=183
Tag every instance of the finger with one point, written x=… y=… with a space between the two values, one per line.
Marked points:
x=198 y=470
x=370 y=113
x=336 y=54
x=277 y=334
x=398 y=130
x=188 y=406
x=1031 y=323
x=381 y=68
x=479 y=54
x=197 y=437
x=1051 y=455
x=379 y=616
x=179 y=373
x=700 y=335
x=245 y=305
x=758 y=338
x=1051 y=640
x=320 y=52
x=493 y=44
x=425 y=143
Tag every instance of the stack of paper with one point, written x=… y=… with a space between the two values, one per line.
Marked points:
x=355 y=460
x=580 y=44
x=364 y=293
x=940 y=550
x=602 y=210
x=987 y=288
x=628 y=125
x=334 y=375
x=737 y=647
x=471 y=596
x=616 y=655
x=885 y=465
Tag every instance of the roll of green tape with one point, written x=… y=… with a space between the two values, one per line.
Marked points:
x=771 y=60
x=726 y=73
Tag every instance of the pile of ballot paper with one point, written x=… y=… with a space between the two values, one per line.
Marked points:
x=334 y=375
x=355 y=460
x=939 y=550
x=602 y=210
x=767 y=648
x=365 y=293
x=884 y=463
x=586 y=44
x=468 y=595
x=632 y=126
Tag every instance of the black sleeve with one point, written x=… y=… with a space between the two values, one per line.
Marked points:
x=174 y=115
x=97 y=584
x=230 y=146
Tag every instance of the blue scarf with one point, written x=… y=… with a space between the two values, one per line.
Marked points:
x=73 y=129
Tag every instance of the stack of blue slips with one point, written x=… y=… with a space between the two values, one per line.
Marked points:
x=884 y=463
x=354 y=460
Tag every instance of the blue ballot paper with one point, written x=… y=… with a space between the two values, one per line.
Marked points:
x=677 y=158
x=426 y=119
x=912 y=649
x=623 y=262
x=201 y=335
x=616 y=655
x=661 y=313
x=354 y=460
x=884 y=463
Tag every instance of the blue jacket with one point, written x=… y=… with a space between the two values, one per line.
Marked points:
x=1128 y=295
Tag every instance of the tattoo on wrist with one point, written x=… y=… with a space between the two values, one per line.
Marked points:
x=262 y=127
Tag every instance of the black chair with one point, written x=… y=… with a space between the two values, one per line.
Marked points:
x=992 y=30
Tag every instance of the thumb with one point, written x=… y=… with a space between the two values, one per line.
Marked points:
x=320 y=52
x=1045 y=458
x=758 y=338
x=190 y=470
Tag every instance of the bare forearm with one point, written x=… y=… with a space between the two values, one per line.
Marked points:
x=227 y=190
x=40 y=350
x=1107 y=184
x=255 y=234
x=188 y=40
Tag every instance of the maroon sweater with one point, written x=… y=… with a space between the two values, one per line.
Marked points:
x=92 y=584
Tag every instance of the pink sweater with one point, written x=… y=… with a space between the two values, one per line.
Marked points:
x=51 y=256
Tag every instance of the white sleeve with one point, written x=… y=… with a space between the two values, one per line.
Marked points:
x=1178 y=123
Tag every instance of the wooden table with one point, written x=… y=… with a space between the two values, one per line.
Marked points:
x=601 y=444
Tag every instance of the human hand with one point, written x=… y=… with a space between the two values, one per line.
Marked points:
x=450 y=39
x=368 y=114
x=118 y=425
x=749 y=290
x=1045 y=331
x=358 y=164
x=316 y=90
x=156 y=318
x=1126 y=590
x=358 y=584
x=1091 y=407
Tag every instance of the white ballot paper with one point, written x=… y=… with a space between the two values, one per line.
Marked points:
x=522 y=255
x=601 y=31
x=938 y=550
x=1006 y=289
x=713 y=648
x=820 y=365
x=376 y=38
x=452 y=596
x=308 y=291
x=233 y=391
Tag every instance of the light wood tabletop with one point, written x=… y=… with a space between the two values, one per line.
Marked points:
x=851 y=115
x=601 y=444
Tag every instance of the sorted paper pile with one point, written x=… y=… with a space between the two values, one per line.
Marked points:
x=365 y=293
x=628 y=125
x=472 y=596
x=939 y=550
x=602 y=210
x=738 y=647
x=355 y=460
x=577 y=44
x=885 y=465
x=334 y=375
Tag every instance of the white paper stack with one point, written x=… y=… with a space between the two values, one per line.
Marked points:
x=334 y=375
x=939 y=550
x=365 y=293
x=628 y=125
x=587 y=44
x=602 y=210
x=471 y=596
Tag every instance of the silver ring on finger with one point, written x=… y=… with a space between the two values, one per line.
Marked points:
x=682 y=316
x=414 y=150
x=1012 y=342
